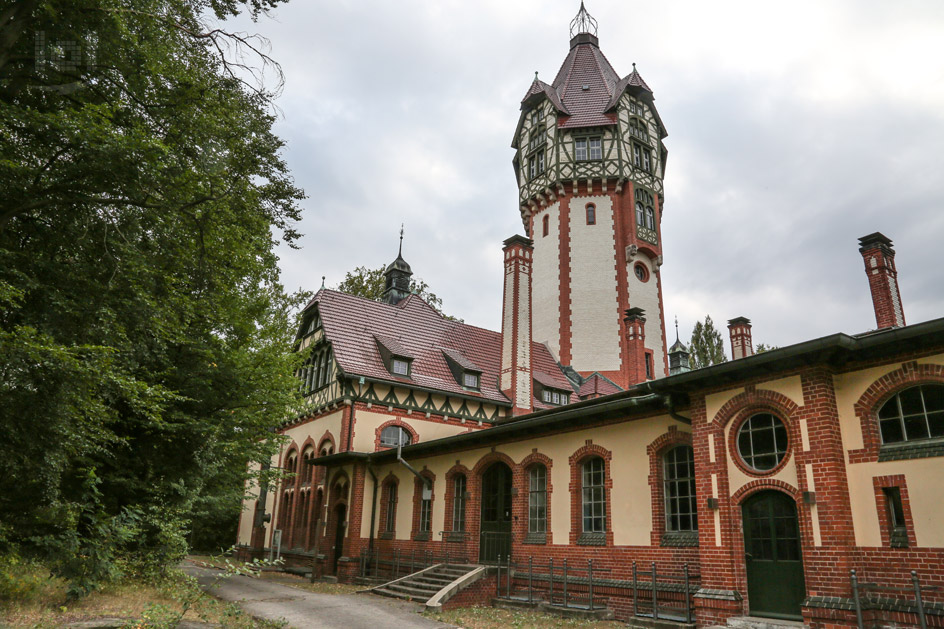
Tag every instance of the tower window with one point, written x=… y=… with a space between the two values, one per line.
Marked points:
x=580 y=149
x=642 y=157
x=546 y=224
x=641 y=272
x=591 y=214
x=588 y=148
x=648 y=366
x=536 y=164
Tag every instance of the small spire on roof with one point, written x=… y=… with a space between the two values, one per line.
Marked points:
x=676 y=316
x=400 y=252
x=322 y=281
x=535 y=75
x=583 y=23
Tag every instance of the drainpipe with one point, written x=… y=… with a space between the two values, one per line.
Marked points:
x=667 y=400
x=373 y=511
x=422 y=478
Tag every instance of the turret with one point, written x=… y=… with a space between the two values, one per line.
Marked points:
x=589 y=163
x=397 y=274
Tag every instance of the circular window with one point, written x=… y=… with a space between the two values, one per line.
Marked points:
x=642 y=273
x=762 y=442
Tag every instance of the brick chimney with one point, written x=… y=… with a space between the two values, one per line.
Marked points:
x=638 y=367
x=515 y=374
x=879 y=257
x=739 y=328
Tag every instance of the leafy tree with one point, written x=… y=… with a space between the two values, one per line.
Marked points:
x=370 y=284
x=707 y=346
x=763 y=347
x=144 y=334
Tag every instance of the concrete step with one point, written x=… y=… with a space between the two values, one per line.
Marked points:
x=434 y=580
x=412 y=590
x=755 y=622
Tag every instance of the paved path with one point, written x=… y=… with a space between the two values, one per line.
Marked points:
x=303 y=609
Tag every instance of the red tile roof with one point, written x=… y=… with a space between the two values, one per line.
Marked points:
x=352 y=323
x=596 y=384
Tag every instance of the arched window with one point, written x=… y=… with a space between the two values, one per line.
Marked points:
x=390 y=521
x=650 y=218
x=537 y=500
x=392 y=436
x=593 y=495
x=458 y=503
x=591 y=214
x=546 y=221
x=914 y=414
x=640 y=214
x=679 y=483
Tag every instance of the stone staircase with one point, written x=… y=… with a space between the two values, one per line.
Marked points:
x=432 y=586
x=753 y=622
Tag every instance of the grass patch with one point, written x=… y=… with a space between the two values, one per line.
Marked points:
x=141 y=603
x=491 y=618
x=327 y=588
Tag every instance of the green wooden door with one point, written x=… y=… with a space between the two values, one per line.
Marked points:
x=775 y=586
x=495 y=536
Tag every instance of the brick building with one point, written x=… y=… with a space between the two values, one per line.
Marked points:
x=564 y=436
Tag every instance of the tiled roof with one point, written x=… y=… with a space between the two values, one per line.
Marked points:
x=597 y=385
x=460 y=359
x=585 y=83
x=352 y=323
x=540 y=87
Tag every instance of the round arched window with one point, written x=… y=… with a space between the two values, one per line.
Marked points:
x=762 y=442
x=913 y=414
x=642 y=273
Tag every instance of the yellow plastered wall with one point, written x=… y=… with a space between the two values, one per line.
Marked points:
x=922 y=476
x=366 y=424
x=630 y=497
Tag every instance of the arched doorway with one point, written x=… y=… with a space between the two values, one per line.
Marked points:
x=340 y=512
x=775 y=584
x=495 y=535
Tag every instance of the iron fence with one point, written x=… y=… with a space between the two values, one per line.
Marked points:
x=877 y=596
x=661 y=595
x=396 y=563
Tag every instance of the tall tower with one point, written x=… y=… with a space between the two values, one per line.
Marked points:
x=589 y=162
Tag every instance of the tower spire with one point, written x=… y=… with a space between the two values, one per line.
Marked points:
x=583 y=23
x=400 y=251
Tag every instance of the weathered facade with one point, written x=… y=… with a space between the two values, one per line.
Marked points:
x=562 y=437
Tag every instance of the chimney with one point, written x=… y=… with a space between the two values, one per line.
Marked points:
x=515 y=374
x=740 y=330
x=639 y=365
x=879 y=258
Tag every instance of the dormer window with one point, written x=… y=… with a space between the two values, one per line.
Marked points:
x=467 y=374
x=470 y=380
x=395 y=356
x=400 y=366
x=555 y=397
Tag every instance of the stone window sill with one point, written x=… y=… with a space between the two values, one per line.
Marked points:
x=422 y=537
x=385 y=535
x=592 y=539
x=535 y=538
x=680 y=539
x=911 y=450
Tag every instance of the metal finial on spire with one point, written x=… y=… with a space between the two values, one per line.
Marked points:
x=676 y=316
x=535 y=75
x=400 y=252
x=583 y=23
x=322 y=281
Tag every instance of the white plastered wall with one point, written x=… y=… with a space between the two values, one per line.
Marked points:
x=545 y=280
x=594 y=302
x=645 y=295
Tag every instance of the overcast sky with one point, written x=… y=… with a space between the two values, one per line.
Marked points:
x=794 y=128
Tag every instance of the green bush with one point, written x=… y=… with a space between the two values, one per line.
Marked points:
x=20 y=579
